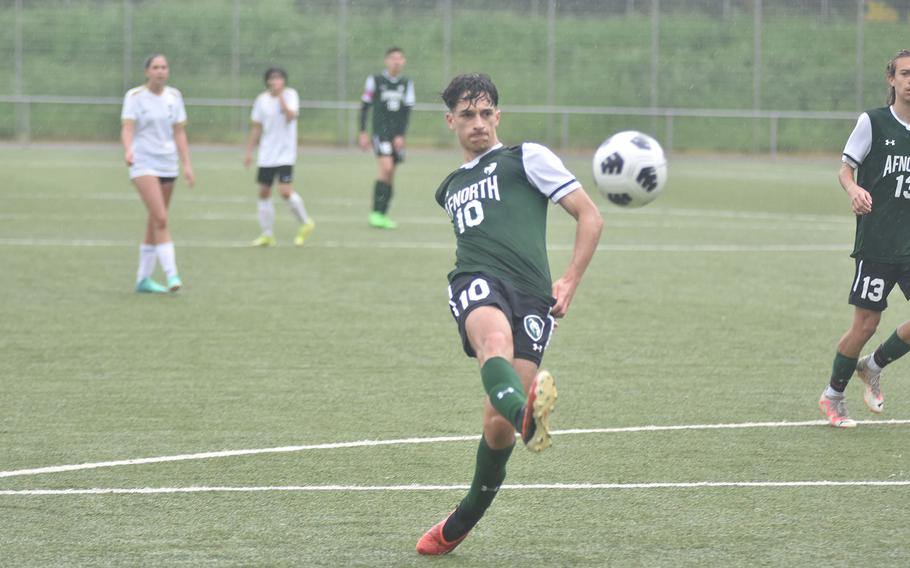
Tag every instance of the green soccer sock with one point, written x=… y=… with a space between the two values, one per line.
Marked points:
x=503 y=386
x=891 y=350
x=841 y=371
x=382 y=196
x=489 y=473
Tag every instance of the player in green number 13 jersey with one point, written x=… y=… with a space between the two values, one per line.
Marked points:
x=500 y=292
x=878 y=153
x=391 y=96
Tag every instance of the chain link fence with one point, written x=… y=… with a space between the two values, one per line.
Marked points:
x=727 y=75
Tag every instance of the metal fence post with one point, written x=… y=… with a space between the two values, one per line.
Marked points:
x=342 y=68
x=756 y=71
x=860 y=41
x=127 y=44
x=23 y=127
x=446 y=8
x=565 y=131
x=235 y=63
x=551 y=65
x=655 y=60
x=772 y=137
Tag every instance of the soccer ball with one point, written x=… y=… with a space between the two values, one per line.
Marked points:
x=630 y=169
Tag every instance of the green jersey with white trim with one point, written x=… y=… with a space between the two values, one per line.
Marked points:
x=498 y=207
x=391 y=98
x=879 y=149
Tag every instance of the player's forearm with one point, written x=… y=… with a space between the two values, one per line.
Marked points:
x=126 y=135
x=587 y=236
x=405 y=119
x=253 y=139
x=289 y=113
x=364 y=110
x=183 y=147
x=846 y=178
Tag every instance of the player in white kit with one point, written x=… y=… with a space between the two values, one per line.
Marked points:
x=274 y=127
x=153 y=134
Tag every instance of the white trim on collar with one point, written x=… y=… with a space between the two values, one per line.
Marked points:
x=474 y=162
x=897 y=118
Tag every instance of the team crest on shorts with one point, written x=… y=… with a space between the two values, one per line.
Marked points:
x=534 y=327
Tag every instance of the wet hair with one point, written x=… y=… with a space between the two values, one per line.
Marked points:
x=892 y=69
x=393 y=49
x=152 y=57
x=470 y=87
x=271 y=71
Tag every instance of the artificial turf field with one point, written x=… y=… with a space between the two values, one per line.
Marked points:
x=718 y=304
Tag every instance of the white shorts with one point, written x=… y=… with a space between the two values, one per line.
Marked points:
x=151 y=165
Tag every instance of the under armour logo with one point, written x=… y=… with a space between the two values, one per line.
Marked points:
x=889 y=142
x=501 y=394
x=537 y=347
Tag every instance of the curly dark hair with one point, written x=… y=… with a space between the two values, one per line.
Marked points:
x=470 y=87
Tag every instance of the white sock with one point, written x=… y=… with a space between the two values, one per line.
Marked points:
x=872 y=365
x=831 y=393
x=147 y=259
x=266 y=216
x=295 y=202
x=167 y=258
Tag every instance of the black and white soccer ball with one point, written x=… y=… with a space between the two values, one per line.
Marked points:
x=630 y=169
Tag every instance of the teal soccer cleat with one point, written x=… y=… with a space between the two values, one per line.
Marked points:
x=149 y=286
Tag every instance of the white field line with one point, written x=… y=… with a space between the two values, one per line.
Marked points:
x=390 y=488
x=608 y=212
x=413 y=245
x=413 y=441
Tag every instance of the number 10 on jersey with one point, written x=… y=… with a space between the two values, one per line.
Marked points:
x=470 y=215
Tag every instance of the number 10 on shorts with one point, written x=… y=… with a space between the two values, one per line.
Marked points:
x=478 y=290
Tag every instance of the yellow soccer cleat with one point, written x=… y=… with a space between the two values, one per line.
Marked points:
x=264 y=241
x=305 y=230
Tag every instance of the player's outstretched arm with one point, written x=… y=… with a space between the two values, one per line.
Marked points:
x=860 y=200
x=587 y=235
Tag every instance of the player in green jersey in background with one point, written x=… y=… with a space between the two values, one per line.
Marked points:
x=878 y=153
x=500 y=291
x=391 y=95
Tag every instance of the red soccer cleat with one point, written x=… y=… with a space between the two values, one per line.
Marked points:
x=432 y=543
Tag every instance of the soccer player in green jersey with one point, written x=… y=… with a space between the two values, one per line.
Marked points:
x=500 y=291
x=391 y=95
x=876 y=176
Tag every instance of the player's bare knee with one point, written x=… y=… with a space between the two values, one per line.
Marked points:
x=865 y=325
x=158 y=223
x=496 y=344
x=498 y=432
x=869 y=326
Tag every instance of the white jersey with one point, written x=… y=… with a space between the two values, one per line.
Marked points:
x=154 y=149
x=278 y=142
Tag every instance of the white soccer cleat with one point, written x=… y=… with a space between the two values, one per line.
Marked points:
x=835 y=410
x=872 y=392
